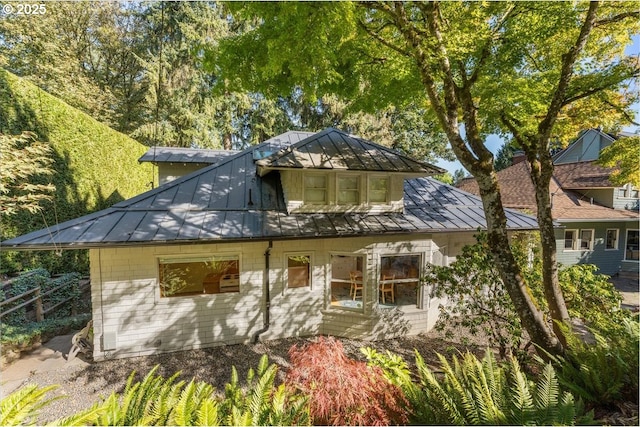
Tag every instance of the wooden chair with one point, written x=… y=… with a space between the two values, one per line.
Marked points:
x=354 y=277
x=387 y=287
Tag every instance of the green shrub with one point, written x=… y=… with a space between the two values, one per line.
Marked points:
x=603 y=373
x=476 y=298
x=21 y=284
x=478 y=301
x=159 y=401
x=69 y=288
x=481 y=392
x=591 y=297
x=95 y=167
x=32 y=332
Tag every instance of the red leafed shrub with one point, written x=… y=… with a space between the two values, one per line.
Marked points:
x=343 y=391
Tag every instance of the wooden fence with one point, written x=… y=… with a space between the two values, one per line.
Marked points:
x=34 y=296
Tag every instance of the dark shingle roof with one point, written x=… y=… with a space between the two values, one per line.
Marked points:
x=583 y=175
x=518 y=192
x=229 y=201
x=334 y=149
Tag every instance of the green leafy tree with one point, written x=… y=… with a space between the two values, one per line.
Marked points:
x=514 y=68
x=23 y=158
x=623 y=155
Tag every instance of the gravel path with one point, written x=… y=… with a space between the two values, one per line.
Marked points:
x=81 y=385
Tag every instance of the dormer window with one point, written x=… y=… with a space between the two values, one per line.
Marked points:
x=315 y=189
x=378 y=189
x=348 y=190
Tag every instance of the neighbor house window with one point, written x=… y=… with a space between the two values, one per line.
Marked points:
x=298 y=271
x=348 y=190
x=632 y=252
x=315 y=189
x=571 y=240
x=193 y=276
x=378 y=189
x=586 y=240
x=399 y=279
x=611 y=239
x=347 y=281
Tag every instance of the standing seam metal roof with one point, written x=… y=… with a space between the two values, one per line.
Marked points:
x=230 y=201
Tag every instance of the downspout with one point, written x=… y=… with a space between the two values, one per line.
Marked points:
x=267 y=297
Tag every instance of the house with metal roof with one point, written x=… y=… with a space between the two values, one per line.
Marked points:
x=324 y=233
x=599 y=221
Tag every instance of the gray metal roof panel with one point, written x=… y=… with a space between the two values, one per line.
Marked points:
x=184 y=155
x=334 y=149
x=229 y=201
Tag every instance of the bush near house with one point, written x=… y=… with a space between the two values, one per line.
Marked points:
x=19 y=331
x=95 y=167
x=465 y=390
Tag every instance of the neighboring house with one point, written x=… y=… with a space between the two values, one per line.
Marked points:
x=599 y=221
x=282 y=239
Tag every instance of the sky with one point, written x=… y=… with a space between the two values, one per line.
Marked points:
x=494 y=142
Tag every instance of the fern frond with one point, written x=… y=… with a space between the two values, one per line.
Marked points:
x=519 y=398
x=23 y=404
x=83 y=418
x=207 y=414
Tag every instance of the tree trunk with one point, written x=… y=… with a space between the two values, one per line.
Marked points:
x=531 y=316
x=541 y=173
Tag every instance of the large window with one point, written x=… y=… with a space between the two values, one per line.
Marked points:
x=632 y=252
x=315 y=189
x=378 y=189
x=203 y=275
x=571 y=240
x=299 y=271
x=399 y=279
x=348 y=190
x=611 y=242
x=586 y=240
x=347 y=281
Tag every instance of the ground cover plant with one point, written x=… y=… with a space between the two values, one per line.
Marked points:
x=463 y=389
x=164 y=401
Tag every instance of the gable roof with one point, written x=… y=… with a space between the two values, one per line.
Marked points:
x=334 y=149
x=228 y=201
x=583 y=175
x=516 y=187
x=518 y=192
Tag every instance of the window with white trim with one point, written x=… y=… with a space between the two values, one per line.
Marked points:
x=586 y=240
x=298 y=270
x=611 y=239
x=632 y=246
x=348 y=280
x=571 y=240
x=348 y=190
x=378 y=189
x=198 y=275
x=315 y=189
x=399 y=279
